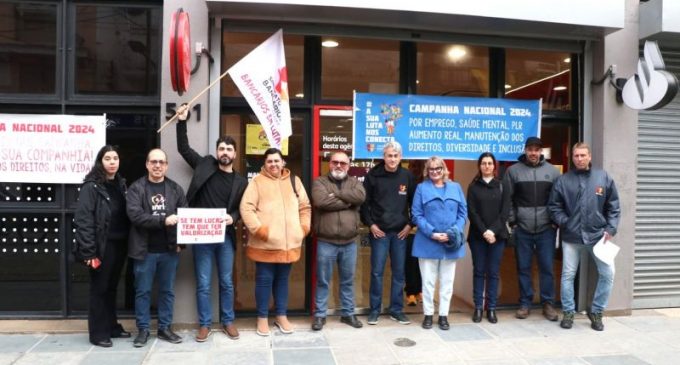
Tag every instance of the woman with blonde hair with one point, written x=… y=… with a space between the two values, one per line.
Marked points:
x=439 y=210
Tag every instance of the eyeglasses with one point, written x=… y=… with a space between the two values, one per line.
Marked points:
x=435 y=169
x=340 y=163
x=157 y=162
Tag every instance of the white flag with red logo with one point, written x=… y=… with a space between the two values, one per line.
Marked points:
x=262 y=78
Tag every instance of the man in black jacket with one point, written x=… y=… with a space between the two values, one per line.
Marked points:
x=585 y=203
x=152 y=203
x=386 y=211
x=215 y=184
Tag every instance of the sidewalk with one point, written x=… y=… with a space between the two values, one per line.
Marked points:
x=646 y=337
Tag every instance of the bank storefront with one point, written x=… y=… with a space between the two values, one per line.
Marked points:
x=435 y=50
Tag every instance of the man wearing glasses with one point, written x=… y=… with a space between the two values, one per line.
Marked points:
x=386 y=211
x=152 y=203
x=336 y=199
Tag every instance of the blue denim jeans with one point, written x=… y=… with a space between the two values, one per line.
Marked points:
x=327 y=254
x=162 y=266
x=223 y=255
x=271 y=279
x=486 y=262
x=541 y=244
x=571 y=256
x=380 y=248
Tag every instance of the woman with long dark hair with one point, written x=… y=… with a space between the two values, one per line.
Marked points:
x=488 y=210
x=101 y=242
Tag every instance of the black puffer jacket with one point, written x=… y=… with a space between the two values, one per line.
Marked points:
x=91 y=220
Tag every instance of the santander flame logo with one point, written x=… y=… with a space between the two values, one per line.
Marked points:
x=652 y=87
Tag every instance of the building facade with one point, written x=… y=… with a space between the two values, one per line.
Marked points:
x=112 y=57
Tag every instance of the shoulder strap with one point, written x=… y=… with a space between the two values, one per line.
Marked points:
x=292 y=182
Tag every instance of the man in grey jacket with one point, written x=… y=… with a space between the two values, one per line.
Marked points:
x=585 y=204
x=529 y=182
x=336 y=198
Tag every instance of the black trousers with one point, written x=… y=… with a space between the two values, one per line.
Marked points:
x=414 y=283
x=102 y=320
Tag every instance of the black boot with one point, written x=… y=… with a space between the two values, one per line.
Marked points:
x=427 y=322
x=477 y=315
x=491 y=316
x=443 y=323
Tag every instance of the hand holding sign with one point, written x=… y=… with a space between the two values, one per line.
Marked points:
x=201 y=225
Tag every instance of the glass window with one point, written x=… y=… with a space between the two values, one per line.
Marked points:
x=30 y=259
x=362 y=65
x=117 y=50
x=28 y=38
x=236 y=45
x=539 y=74
x=452 y=70
x=245 y=129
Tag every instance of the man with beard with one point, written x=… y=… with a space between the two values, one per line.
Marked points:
x=215 y=184
x=529 y=182
x=336 y=198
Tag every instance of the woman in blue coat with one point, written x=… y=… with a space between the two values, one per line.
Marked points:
x=439 y=210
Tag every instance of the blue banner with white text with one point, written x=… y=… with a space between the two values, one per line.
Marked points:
x=449 y=127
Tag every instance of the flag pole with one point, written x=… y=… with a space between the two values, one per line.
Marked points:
x=192 y=101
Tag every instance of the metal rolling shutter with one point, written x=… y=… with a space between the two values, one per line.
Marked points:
x=656 y=281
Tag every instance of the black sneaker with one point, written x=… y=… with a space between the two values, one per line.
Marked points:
x=141 y=339
x=567 y=320
x=427 y=322
x=168 y=335
x=400 y=317
x=596 y=321
x=373 y=318
x=317 y=324
x=443 y=323
x=351 y=321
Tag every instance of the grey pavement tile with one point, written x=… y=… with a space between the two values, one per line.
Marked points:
x=666 y=340
x=123 y=345
x=464 y=332
x=557 y=361
x=7 y=358
x=614 y=360
x=539 y=347
x=427 y=348
x=361 y=354
x=513 y=329
x=177 y=358
x=18 y=343
x=484 y=350
x=249 y=357
x=650 y=323
x=114 y=358
x=67 y=343
x=320 y=356
x=348 y=337
x=660 y=358
x=592 y=343
x=499 y=362
x=52 y=358
x=298 y=339
x=188 y=344
x=248 y=340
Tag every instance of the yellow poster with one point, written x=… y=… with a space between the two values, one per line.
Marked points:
x=257 y=143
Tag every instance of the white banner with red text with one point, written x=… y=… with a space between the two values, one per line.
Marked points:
x=54 y=149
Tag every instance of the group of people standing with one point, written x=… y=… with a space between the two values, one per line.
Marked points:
x=114 y=222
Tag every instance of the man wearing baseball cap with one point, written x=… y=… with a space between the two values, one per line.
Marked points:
x=529 y=182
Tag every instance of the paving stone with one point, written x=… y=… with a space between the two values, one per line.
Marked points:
x=19 y=343
x=58 y=343
x=464 y=332
x=298 y=339
x=114 y=358
x=177 y=358
x=249 y=357
x=615 y=360
x=321 y=356
x=557 y=361
x=51 y=358
x=8 y=358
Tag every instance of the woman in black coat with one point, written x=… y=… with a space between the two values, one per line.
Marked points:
x=488 y=210
x=101 y=242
